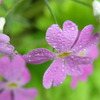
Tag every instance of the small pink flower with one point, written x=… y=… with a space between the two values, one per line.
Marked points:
x=5 y=47
x=0 y=1
x=87 y=70
x=69 y=43
x=16 y=75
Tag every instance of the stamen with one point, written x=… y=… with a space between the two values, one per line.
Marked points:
x=12 y=85
x=82 y=53
x=64 y=54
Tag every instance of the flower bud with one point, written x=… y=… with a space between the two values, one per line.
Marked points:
x=2 y=22
x=96 y=9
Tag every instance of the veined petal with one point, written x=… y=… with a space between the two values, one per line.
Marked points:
x=6 y=49
x=73 y=64
x=39 y=56
x=55 y=74
x=25 y=93
x=4 y=38
x=5 y=95
x=78 y=60
x=86 y=39
x=70 y=31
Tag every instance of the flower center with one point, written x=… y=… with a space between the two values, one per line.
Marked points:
x=12 y=85
x=64 y=54
x=82 y=53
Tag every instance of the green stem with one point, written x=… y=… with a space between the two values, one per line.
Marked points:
x=47 y=3
x=83 y=3
x=14 y=6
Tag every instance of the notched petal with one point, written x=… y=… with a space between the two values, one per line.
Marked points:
x=55 y=74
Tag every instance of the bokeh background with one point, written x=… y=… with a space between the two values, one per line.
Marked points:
x=26 y=24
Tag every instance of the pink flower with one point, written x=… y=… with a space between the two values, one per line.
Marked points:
x=5 y=48
x=0 y=1
x=70 y=44
x=16 y=75
x=87 y=70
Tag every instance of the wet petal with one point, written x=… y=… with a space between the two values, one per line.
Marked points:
x=6 y=49
x=4 y=38
x=73 y=64
x=56 y=38
x=86 y=39
x=73 y=70
x=55 y=74
x=39 y=56
x=25 y=94
x=70 y=31
x=78 y=60
x=5 y=95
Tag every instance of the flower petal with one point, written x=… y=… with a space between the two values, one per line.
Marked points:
x=5 y=67
x=56 y=38
x=28 y=93
x=18 y=96
x=0 y=1
x=87 y=70
x=2 y=84
x=74 y=82
x=5 y=95
x=39 y=56
x=23 y=74
x=55 y=74
x=78 y=60
x=4 y=38
x=86 y=40
x=6 y=49
x=73 y=64
x=94 y=52
x=15 y=70
x=70 y=31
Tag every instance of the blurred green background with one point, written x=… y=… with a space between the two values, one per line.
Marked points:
x=26 y=24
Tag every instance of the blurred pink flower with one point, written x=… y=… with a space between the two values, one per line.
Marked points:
x=87 y=70
x=0 y=1
x=69 y=42
x=5 y=48
x=16 y=75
